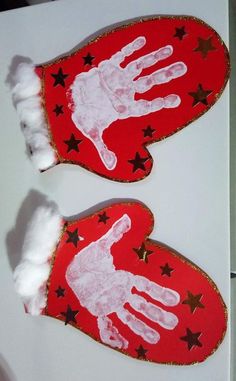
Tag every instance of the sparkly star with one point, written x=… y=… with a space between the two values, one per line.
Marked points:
x=60 y=292
x=204 y=46
x=192 y=339
x=88 y=59
x=73 y=237
x=69 y=315
x=138 y=162
x=143 y=253
x=103 y=218
x=59 y=78
x=148 y=131
x=141 y=352
x=58 y=109
x=166 y=270
x=72 y=143
x=180 y=33
x=200 y=95
x=193 y=301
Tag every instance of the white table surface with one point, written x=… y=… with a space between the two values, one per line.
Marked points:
x=192 y=215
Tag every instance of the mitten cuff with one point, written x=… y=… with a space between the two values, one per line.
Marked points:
x=33 y=271
x=27 y=98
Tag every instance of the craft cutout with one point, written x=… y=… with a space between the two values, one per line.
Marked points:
x=139 y=83
x=119 y=287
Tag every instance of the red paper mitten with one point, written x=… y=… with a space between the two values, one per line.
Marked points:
x=125 y=89
x=102 y=275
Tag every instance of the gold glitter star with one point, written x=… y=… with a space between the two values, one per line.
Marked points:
x=204 y=46
x=141 y=352
x=59 y=78
x=192 y=339
x=69 y=315
x=58 y=109
x=166 y=270
x=72 y=143
x=143 y=253
x=180 y=33
x=200 y=96
x=103 y=217
x=148 y=132
x=138 y=162
x=193 y=301
x=88 y=59
x=60 y=292
x=73 y=237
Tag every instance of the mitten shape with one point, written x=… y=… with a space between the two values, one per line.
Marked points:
x=102 y=105
x=104 y=276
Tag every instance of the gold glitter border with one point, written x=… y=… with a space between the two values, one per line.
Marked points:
x=158 y=245
x=61 y=160
x=52 y=261
x=46 y=119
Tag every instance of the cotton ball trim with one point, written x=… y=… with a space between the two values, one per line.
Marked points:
x=31 y=275
x=27 y=99
x=42 y=233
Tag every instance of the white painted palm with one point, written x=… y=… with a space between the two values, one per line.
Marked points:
x=106 y=93
x=103 y=290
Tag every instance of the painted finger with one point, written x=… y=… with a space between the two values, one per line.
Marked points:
x=108 y=157
x=109 y=334
x=127 y=50
x=134 y=68
x=164 y=75
x=137 y=326
x=143 y=107
x=165 y=319
x=164 y=295
x=116 y=232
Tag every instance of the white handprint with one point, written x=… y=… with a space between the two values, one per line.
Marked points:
x=103 y=290
x=106 y=93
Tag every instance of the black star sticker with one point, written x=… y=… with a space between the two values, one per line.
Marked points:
x=72 y=143
x=204 y=46
x=138 y=162
x=58 y=110
x=193 y=301
x=60 y=292
x=73 y=237
x=143 y=253
x=232 y=275
x=180 y=33
x=192 y=339
x=148 y=132
x=103 y=218
x=88 y=59
x=200 y=96
x=166 y=270
x=59 y=78
x=141 y=352
x=69 y=315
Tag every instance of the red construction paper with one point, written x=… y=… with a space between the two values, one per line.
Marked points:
x=208 y=320
x=125 y=137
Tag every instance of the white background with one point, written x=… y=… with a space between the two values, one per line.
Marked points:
x=188 y=192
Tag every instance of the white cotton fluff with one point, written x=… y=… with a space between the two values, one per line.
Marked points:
x=29 y=274
x=37 y=303
x=27 y=99
x=32 y=273
x=27 y=83
x=29 y=111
